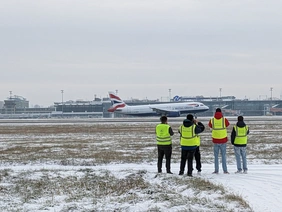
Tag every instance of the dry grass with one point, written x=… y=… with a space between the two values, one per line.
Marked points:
x=104 y=143
x=91 y=144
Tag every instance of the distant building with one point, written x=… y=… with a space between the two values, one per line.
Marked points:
x=202 y=98
x=13 y=103
x=79 y=108
x=18 y=107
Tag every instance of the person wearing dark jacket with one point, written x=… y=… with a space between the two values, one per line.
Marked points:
x=239 y=139
x=219 y=125
x=197 y=151
x=189 y=142
x=164 y=144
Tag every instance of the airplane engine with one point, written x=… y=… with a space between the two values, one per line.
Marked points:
x=173 y=114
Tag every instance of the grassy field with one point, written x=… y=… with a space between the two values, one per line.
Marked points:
x=51 y=167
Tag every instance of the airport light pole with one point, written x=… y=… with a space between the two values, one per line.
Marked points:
x=62 y=91
x=271 y=97
x=220 y=89
x=169 y=91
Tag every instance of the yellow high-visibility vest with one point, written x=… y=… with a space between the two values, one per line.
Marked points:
x=162 y=133
x=218 y=128
x=241 y=135
x=188 y=136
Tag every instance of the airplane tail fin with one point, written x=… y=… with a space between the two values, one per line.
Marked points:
x=116 y=102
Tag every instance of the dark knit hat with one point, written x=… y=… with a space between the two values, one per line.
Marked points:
x=218 y=110
x=240 y=118
x=190 y=117
x=163 y=119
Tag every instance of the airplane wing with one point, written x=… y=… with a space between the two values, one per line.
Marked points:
x=173 y=113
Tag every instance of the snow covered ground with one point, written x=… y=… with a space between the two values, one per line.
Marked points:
x=261 y=188
x=111 y=166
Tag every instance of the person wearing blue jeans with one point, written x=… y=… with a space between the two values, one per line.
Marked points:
x=222 y=149
x=219 y=125
x=241 y=152
x=239 y=139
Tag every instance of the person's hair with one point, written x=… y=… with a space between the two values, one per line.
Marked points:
x=163 y=119
x=190 y=117
x=218 y=110
x=240 y=118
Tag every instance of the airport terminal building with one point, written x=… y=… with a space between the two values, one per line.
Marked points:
x=18 y=107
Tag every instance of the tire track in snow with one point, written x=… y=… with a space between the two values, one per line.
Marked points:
x=261 y=187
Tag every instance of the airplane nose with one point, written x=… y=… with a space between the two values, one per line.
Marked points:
x=206 y=107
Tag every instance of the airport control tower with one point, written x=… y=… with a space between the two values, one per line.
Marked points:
x=14 y=102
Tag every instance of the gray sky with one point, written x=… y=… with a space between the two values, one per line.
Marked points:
x=142 y=48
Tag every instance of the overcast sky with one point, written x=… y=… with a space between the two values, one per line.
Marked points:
x=142 y=48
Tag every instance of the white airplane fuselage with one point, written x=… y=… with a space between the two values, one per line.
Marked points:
x=175 y=109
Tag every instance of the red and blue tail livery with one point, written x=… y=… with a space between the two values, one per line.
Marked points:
x=173 y=109
x=116 y=102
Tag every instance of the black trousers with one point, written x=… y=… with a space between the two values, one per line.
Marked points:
x=164 y=150
x=198 y=159
x=187 y=155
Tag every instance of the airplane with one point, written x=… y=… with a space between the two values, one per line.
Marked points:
x=166 y=109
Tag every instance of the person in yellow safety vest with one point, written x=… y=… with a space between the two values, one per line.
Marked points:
x=164 y=144
x=219 y=125
x=239 y=138
x=189 y=142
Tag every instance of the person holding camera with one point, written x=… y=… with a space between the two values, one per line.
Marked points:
x=189 y=142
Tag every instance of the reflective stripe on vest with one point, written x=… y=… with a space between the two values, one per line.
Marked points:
x=218 y=128
x=241 y=135
x=188 y=136
x=163 y=136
